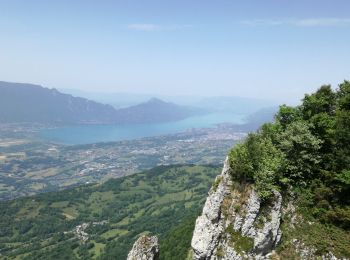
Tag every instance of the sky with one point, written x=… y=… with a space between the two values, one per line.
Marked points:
x=273 y=49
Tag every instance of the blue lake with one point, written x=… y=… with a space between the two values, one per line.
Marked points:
x=85 y=134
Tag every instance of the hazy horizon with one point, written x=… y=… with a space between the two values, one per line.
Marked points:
x=255 y=49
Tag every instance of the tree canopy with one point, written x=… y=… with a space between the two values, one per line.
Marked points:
x=306 y=148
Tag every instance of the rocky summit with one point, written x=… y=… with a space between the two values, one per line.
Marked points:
x=145 y=248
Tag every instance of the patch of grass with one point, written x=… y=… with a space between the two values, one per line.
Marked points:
x=225 y=206
x=220 y=252
x=70 y=212
x=60 y=204
x=240 y=243
x=189 y=254
x=112 y=233
x=324 y=238
x=97 y=249
x=264 y=214
x=216 y=183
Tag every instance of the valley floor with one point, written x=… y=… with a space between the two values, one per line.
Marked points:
x=29 y=165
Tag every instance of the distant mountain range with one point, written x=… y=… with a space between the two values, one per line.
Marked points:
x=156 y=110
x=238 y=105
x=28 y=103
x=226 y=104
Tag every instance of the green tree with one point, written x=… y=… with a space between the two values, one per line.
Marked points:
x=287 y=115
x=342 y=129
x=257 y=160
x=301 y=149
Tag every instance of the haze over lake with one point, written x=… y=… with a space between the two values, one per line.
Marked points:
x=85 y=134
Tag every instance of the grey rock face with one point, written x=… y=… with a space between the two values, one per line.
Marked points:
x=145 y=248
x=210 y=225
x=237 y=208
x=268 y=237
x=252 y=210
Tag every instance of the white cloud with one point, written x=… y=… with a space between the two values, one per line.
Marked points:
x=149 y=27
x=309 y=22
x=144 y=27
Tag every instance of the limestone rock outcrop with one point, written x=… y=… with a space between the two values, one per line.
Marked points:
x=145 y=248
x=235 y=224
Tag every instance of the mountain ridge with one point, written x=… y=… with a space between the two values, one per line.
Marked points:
x=30 y=103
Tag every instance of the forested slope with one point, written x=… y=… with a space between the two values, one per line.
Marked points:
x=102 y=221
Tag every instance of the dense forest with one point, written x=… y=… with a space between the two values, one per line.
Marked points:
x=305 y=154
x=103 y=221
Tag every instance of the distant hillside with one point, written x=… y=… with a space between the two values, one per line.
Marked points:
x=238 y=105
x=230 y=104
x=255 y=120
x=155 y=110
x=28 y=103
x=32 y=103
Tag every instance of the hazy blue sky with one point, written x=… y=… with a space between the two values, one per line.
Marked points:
x=277 y=49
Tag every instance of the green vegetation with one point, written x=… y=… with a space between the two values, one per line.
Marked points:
x=306 y=151
x=216 y=183
x=163 y=201
x=177 y=241
x=240 y=243
x=220 y=252
x=323 y=238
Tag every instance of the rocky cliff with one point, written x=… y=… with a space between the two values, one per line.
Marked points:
x=236 y=224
